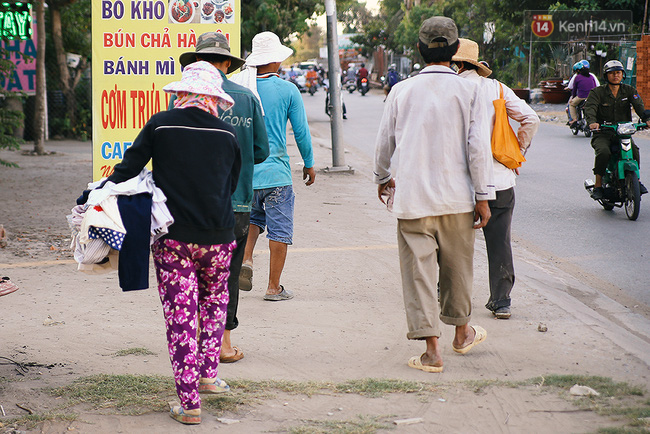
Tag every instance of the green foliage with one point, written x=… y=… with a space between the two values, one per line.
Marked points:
x=396 y=28
x=407 y=31
x=282 y=17
x=9 y=119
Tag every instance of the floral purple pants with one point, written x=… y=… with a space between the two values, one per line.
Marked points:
x=192 y=282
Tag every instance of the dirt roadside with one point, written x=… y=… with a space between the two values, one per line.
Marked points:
x=346 y=322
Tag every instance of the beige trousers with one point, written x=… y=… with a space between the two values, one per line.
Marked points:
x=573 y=107
x=436 y=250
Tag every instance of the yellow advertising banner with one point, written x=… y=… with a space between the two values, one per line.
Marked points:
x=136 y=46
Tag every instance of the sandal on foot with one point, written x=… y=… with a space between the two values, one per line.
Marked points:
x=282 y=295
x=479 y=336
x=246 y=277
x=7 y=286
x=416 y=362
x=187 y=417
x=239 y=354
x=214 y=388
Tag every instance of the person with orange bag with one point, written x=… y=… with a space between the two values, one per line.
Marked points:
x=497 y=230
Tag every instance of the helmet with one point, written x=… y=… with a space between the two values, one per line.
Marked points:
x=578 y=65
x=392 y=66
x=363 y=65
x=585 y=63
x=611 y=66
x=417 y=66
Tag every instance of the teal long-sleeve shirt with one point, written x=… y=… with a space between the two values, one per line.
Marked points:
x=281 y=101
x=247 y=120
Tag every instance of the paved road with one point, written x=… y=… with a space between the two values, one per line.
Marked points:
x=554 y=216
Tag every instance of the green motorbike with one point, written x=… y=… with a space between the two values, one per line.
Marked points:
x=621 y=181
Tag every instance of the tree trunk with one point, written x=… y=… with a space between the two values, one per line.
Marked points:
x=41 y=89
x=62 y=62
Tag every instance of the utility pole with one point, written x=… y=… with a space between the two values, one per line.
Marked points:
x=334 y=76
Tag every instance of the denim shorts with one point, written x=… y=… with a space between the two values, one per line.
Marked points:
x=273 y=208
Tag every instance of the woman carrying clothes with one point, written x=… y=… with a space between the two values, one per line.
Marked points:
x=196 y=161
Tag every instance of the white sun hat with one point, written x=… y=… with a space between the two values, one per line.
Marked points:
x=267 y=48
x=204 y=79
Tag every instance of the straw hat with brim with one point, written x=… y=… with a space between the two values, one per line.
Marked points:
x=212 y=43
x=267 y=48
x=468 y=52
x=204 y=79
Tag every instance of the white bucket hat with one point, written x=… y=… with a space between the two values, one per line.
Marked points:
x=204 y=79
x=267 y=48
x=468 y=52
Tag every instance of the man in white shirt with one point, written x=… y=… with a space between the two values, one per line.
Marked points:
x=497 y=231
x=436 y=127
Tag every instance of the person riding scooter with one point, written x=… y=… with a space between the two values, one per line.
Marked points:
x=582 y=85
x=584 y=63
x=611 y=102
x=361 y=74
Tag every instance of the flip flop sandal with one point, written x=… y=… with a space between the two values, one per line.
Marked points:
x=416 y=362
x=214 y=388
x=177 y=413
x=479 y=336
x=7 y=286
x=282 y=295
x=239 y=354
x=246 y=277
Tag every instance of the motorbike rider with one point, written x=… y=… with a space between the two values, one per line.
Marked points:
x=584 y=63
x=611 y=102
x=351 y=73
x=392 y=78
x=582 y=85
x=326 y=86
x=312 y=76
x=416 y=70
x=361 y=74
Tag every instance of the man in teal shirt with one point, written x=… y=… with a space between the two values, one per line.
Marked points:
x=247 y=120
x=274 y=198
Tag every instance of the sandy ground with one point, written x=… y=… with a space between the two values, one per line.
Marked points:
x=346 y=322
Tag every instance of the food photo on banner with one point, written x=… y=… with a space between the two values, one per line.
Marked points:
x=202 y=11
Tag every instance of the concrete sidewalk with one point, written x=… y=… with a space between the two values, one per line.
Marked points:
x=346 y=321
x=345 y=258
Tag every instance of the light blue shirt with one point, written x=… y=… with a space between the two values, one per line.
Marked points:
x=281 y=101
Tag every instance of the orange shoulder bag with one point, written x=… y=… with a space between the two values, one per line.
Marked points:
x=505 y=146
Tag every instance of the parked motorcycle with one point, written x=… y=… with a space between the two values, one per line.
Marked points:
x=364 y=87
x=621 y=181
x=580 y=125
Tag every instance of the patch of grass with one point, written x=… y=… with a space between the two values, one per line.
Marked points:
x=376 y=387
x=134 y=395
x=135 y=352
x=308 y=388
x=129 y=394
x=478 y=386
x=603 y=385
x=30 y=421
x=617 y=399
x=364 y=425
x=623 y=430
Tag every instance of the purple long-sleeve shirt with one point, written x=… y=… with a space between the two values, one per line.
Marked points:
x=582 y=85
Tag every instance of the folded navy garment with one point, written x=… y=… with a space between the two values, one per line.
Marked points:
x=133 y=268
